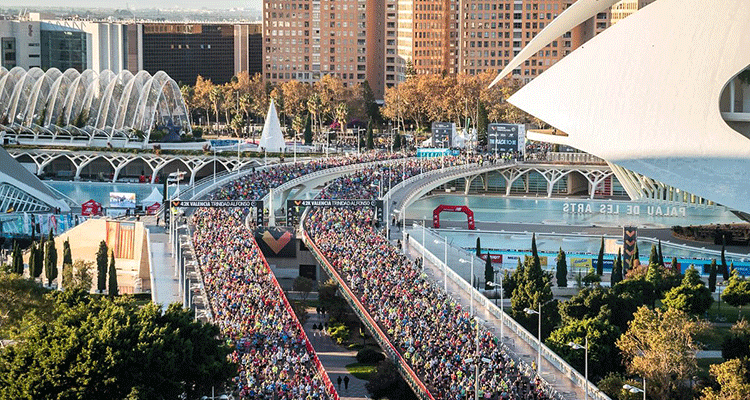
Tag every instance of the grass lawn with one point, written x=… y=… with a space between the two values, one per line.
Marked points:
x=361 y=371
x=723 y=312
x=703 y=364
x=713 y=337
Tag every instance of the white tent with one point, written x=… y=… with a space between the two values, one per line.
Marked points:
x=272 y=139
x=154 y=197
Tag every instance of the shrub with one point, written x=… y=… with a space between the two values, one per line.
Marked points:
x=368 y=355
x=339 y=332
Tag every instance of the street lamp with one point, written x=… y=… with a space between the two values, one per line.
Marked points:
x=538 y=338
x=445 y=262
x=633 y=389
x=476 y=362
x=576 y=346
x=471 y=293
x=502 y=305
x=214 y=165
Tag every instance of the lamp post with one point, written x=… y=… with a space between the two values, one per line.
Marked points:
x=576 y=346
x=445 y=262
x=214 y=165
x=423 y=232
x=502 y=306
x=633 y=389
x=471 y=293
x=538 y=338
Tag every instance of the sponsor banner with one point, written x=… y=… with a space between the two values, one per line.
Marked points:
x=494 y=258
x=218 y=203
x=580 y=262
x=277 y=242
x=512 y=259
x=442 y=134
x=505 y=138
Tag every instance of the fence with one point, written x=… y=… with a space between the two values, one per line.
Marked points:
x=411 y=378
x=561 y=365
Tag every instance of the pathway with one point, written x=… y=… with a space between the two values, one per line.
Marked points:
x=334 y=358
x=165 y=288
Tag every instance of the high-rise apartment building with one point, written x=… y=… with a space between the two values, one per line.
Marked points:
x=378 y=40
x=30 y=44
x=624 y=8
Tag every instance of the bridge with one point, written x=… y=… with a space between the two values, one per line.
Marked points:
x=117 y=165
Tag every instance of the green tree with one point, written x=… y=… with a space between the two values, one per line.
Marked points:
x=616 y=276
x=330 y=300
x=692 y=296
x=737 y=293
x=50 y=261
x=17 y=259
x=308 y=130
x=96 y=348
x=712 y=276
x=603 y=357
x=561 y=273
x=21 y=300
x=371 y=106
x=482 y=123
x=39 y=260
x=737 y=344
x=67 y=255
x=101 y=267
x=77 y=276
x=387 y=383
x=653 y=258
x=479 y=248
x=591 y=277
x=661 y=255
x=32 y=258
x=600 y=260
x=659 y=346
x=370 y=139
x=638 y=290
x=733 y=381
x=655 y=275
x=112 y=289
x=534 y=252
x=489 y=272
x=303 y=285
x=532 y=291
x=612 y=386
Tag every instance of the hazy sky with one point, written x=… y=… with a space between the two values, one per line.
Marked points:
x=191 y=4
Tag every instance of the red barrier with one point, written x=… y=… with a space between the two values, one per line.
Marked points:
x=466 y=210
x=321 y=370
x=342 y=284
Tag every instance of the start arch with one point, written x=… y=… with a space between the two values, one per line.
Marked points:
x=464 y=209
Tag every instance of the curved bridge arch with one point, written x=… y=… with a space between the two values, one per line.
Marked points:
x=447 y=208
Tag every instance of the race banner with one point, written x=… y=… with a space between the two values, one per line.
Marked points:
x=295 y=208
x=256 y=206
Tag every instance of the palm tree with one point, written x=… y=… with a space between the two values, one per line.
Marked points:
x=314 y=107
x=215 y=97
x=342 y=112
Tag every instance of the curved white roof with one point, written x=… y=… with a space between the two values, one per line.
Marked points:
x=94 y=103
x=644 y=94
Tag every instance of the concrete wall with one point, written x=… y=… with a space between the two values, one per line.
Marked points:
x=132 y=274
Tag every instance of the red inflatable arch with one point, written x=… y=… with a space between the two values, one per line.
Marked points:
x=466 y=210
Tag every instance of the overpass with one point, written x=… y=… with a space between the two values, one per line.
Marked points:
x=116 y=165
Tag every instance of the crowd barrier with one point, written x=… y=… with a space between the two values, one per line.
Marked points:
x=318 y=365
x=561 y=365
x=409 y=376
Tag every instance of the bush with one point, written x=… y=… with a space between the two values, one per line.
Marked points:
x=339 y=332
x=368 y=355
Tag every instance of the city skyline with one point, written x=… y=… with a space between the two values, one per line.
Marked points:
x=129 y=4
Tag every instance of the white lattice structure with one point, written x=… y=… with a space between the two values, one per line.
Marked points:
x=192 y=165
x=80 y=107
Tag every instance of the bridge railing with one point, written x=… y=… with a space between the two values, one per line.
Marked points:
x=561 y=365
x=318 y=365
x=409 y=376
x=565 y=157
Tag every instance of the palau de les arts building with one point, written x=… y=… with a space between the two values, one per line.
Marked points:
x=661 y=95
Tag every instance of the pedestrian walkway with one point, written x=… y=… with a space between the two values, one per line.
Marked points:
x=165 y=286
x=334 y=359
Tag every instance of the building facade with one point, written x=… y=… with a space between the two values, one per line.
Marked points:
x=36 y=44
x=625 y=8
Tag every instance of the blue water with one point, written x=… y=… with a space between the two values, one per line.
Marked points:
x=575 y=212
x=82 y=192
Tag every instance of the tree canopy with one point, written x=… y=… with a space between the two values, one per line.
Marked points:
x=97 y=348
x=692 y=296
